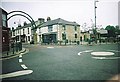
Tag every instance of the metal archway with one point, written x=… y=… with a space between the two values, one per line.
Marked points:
x=34 y=27
x=25 y=14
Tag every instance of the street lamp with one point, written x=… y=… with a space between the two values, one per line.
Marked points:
x=95 y=7
x=95 y=10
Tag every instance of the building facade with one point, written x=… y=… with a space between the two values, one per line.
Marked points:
x=119 y=14
x=4 y=32
x=24 y=33
x=58 y=30
x=51 y=31
x=85 y=36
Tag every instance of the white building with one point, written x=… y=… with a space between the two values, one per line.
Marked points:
x=24 y=33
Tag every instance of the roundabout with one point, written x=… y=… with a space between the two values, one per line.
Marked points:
x=100 y=54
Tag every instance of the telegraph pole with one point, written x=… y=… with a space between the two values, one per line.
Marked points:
x=95 y=10
x=95 y=7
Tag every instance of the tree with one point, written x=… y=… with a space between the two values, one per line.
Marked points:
x=111 y=31
x=117 y=29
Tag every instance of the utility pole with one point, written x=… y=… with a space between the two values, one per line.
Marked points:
x=95 y=10
x=95 y=7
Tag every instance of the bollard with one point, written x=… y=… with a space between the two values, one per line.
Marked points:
x=78 y=42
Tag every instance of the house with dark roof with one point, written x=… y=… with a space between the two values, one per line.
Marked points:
x=58 y=30
x=24 y=33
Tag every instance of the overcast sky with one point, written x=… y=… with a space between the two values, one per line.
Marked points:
x=80 y=11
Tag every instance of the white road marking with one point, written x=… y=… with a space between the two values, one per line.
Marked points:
x=24 y=66
x=84 y=51
x=106 y=57
x=15 y=74
x=20 y=55
x=102 y=53
x=114 y=50
x=50 y=47
x=20 y=60
x=79 y=53
x=88 y=51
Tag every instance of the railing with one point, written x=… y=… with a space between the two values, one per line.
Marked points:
x=14 y=48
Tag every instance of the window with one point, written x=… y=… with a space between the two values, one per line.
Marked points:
x=28 y=31
x=63 y=36
x=28 y=38
x=75 y=35
x=39 y=38
x=50 y=28
x=39 y=30
x=4 y=20
x=64 y=28
x=18 y=31
x=75 y=28
x=13 y=33
x=23 y=31
x=3 y=39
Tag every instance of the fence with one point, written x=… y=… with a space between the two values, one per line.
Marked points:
x=13 y=49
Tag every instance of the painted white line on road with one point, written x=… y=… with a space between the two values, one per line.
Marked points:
x=20 y=60
x=15 y=74
x=84 y=51
x=88 y=51
x=79 y=53
x=20 y=55
x=24 y=66
x=50 y=47
x=106 y=58
x=114 y=50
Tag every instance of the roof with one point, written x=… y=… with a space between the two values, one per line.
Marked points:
x=28 y=25
x=51 y=22
x=58 y=21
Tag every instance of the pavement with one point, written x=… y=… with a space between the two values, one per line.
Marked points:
x=11 y=61
x=11 y=55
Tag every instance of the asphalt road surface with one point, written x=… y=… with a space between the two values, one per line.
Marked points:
x=64 y=63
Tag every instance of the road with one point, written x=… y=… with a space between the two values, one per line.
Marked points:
x=64 y=63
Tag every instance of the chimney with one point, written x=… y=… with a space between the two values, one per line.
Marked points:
x=19 y=25
x=48 y=18
x=41 y=20
x=25 y=23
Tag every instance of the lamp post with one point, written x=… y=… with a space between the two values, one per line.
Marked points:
x=95 y=7
x=95 y=10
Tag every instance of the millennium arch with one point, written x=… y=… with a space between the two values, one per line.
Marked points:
x=23 y=14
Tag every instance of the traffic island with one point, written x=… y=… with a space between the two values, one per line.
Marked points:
x=104 y=55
